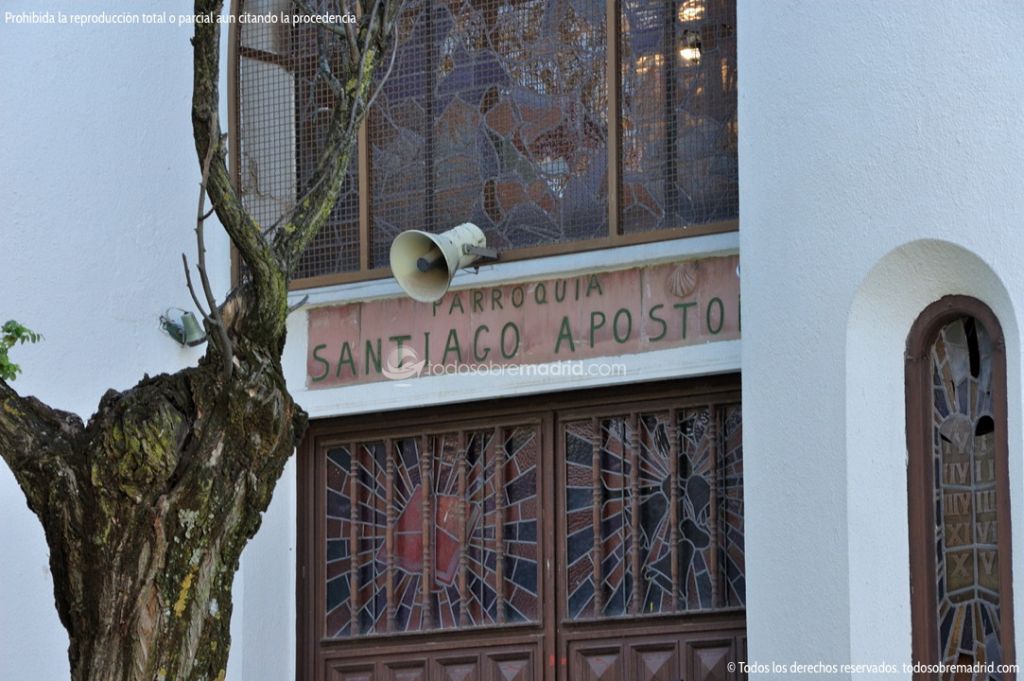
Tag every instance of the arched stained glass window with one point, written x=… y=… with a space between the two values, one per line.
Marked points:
x=958 y=488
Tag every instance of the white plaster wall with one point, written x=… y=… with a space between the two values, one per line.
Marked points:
x=880 y=168
x=98 y=184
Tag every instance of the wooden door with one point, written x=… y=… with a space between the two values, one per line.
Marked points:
x=651 y=575
x=438 y=549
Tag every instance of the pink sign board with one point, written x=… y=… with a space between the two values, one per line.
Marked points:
x=599 y=314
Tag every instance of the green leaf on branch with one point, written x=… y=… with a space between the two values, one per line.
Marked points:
x=12 y=333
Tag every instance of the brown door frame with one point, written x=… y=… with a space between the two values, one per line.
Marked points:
x=920 y=490
x=548 y=409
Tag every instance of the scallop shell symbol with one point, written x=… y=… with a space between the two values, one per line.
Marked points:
x=683 y=280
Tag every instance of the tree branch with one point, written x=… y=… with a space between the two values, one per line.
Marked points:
x=353 y=88
x=214 y=319
x=270 y=299
x=191 y=288
x=37 y=443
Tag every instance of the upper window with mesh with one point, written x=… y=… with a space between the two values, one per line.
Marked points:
x=524 y=117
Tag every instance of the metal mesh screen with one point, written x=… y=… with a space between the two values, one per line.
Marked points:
x=495 y=113
x=678 y=113
x=336 y=247
x=285 y=114
x=266 y=137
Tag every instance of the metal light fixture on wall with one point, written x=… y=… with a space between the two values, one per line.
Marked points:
x=186 y=329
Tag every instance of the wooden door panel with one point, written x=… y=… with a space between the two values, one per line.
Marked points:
x=351 y=673
x=709 y=660
x=601 y=663
x=497 y=583
x=517 y=666
x=654 y=662
x=669 y=651
x=465 y=660
x=405 y=671
x=456 y=669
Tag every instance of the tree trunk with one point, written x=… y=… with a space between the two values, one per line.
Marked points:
x=165 y=486
x=147 y=508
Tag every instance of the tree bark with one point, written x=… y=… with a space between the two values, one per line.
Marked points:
x=146 y=527
x=147 y=508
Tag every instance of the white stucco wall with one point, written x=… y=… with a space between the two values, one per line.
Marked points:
x=98 y=187
x=880 y=168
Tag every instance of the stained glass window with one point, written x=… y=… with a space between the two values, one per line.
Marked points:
x=958 y=488
x=282 y=129
x=498 y=112
x=437 y=531
x=967 y=580
x=654 y=505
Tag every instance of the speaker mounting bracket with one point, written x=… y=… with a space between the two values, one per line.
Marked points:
x=482 y=252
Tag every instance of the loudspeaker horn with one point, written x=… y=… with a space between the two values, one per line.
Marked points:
x=424 y=263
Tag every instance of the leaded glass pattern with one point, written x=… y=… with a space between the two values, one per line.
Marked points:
x=475 y=494
x=965 y=487
x=679 y=132
x=734 y=561
x=266 y=165
x=496 y=114
x=654 y=512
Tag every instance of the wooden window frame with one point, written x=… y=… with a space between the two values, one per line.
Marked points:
x=919 y=401
x=614 y=238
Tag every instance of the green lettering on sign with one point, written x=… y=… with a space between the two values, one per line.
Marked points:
x=684 y=307
x=371 y=355
x=714 y=330
x=594 y=325
x=321 y=360
x=345 y=357
x=399 y=342
x=615 y=326
x=655 y=318
x=565 y=333
x=515 y=348
x=452 y=345
x=476 y=344
x=560 y=288
x=540 y=294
